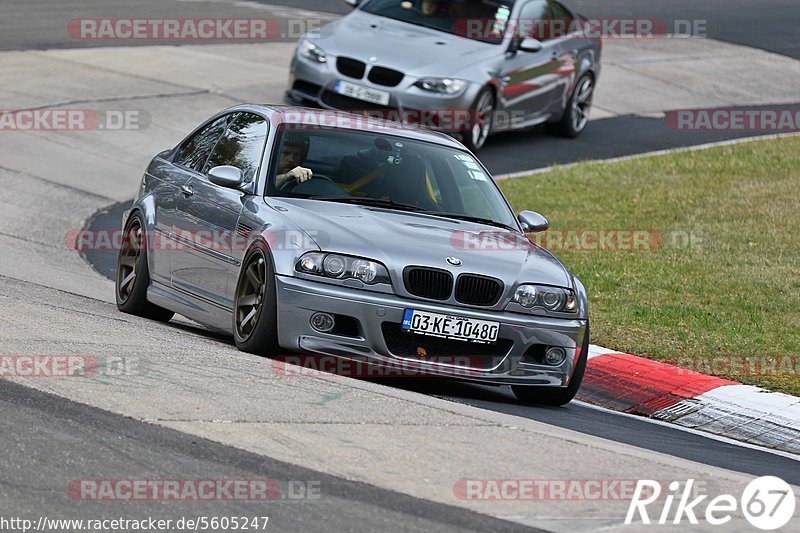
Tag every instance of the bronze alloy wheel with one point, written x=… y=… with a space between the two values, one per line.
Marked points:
x=128 y=264
x=250 y=295
x=133 y=276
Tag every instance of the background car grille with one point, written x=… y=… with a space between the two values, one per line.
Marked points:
x=440 y=350
x=350 y=67
x=428 y=282
x=478 y=290
x=385 y=76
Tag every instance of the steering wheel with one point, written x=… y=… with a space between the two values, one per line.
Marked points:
x=313 y=177
x=334 y=189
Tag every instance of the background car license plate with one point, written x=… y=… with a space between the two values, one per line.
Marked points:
x=450 y=327
x=362 y=93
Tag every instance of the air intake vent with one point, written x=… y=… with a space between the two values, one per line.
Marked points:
x=244 y=231
x=428 y=282
x=478 y=290
x=352 y=68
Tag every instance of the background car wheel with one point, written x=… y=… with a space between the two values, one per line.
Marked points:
x=133 y=275
x=481 y=121
x=542 y=396
x=576 y=115
x=255 y=325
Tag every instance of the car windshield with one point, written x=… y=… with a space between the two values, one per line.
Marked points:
x=482 y=20
x=385 y=171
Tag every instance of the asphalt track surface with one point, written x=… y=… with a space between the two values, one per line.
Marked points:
x=73 y=441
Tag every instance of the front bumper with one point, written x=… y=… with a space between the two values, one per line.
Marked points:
x=312 y=83
x=299 y=299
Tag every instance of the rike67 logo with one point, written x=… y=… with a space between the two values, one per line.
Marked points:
x=767 y=503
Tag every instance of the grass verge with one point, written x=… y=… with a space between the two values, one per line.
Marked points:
x=690 y=258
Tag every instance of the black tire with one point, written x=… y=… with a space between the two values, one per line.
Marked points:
x=256 y=334
x=133 y=274
x=481 y=117
x=576 y=114
x=560 y=396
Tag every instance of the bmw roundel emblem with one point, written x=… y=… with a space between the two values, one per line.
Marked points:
x=455 y=261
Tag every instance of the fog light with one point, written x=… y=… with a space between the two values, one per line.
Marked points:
x=322 y=322
x=555 y=356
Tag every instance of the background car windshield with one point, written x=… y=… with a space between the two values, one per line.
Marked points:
x=483 y=20
x=367 y=165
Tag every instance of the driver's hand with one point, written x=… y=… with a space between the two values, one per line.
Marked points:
x=299 y=174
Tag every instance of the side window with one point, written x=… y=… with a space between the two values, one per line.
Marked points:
x=242 y=145
x=194 y=152
x=562 y=20
x=534 y=20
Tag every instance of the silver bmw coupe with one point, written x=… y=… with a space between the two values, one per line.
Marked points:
x=468 y=67
x=303 y=231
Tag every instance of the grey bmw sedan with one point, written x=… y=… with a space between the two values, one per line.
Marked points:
x=303 y=231
x=468 y=67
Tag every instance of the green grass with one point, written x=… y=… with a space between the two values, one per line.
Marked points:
x=729 y=302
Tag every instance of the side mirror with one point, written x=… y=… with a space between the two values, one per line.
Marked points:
x=352 y=3
x=226 y=176
x=529 y=44
x=533 y=222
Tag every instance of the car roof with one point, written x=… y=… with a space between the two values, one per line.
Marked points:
x=286 y=114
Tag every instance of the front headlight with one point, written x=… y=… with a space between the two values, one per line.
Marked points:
x=448 y=86
x=311 y=51
x=551 y=298
x=338 y=266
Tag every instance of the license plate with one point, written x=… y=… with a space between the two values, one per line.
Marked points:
x=450 y=327
x=359 y=92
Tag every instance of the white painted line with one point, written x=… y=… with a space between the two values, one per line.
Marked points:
x=743 y=412
x=693 y=431
x=595 y=351
x=540 y=170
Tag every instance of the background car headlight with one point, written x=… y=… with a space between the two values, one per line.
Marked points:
x=551 y=298
x=311 y=51
x=343 y=267
x=441 y=85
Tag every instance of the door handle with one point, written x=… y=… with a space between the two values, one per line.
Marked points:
x=187 y=191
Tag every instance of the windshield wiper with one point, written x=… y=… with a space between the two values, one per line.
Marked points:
x=372 y=202
x=470 y=218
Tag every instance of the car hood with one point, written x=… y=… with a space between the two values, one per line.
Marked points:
x=398 y=239
x=414 y=50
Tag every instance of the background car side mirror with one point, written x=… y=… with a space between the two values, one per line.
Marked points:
x=533 y=222
x=529 y=44
x=352 y=3
x=226 y=176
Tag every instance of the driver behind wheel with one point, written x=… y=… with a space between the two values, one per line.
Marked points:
x=294 y=154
